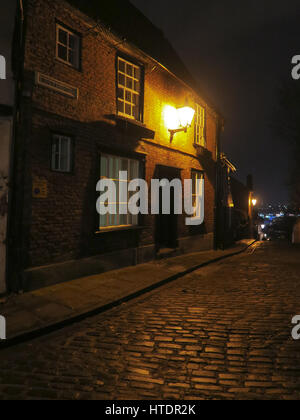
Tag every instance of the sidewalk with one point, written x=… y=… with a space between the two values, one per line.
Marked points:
x=43 y=311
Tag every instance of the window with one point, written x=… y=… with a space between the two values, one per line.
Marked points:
x=200 y=126
x=110 y=168
x=61 y=154
x=197 y=192
x=67 y=46
x=129 y=89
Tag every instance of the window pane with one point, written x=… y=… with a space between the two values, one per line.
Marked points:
x=55 y=154
x=121 y=79
x=121 y=93
x=136 y=112
x=72 y=42
x=110 y=167
x=136 y=99
x=65 y=155
x=103 y=221
x=137 y=86
x=124 y=165
x=123 y=220
x=121 y=66
x=63 y=52
x=104 y=171
x=129 y=83
x=137 y=73
x=120 y=106
x=63 y=36
x=117 y=167
x=128 y=96
x=129 y=70
x=114 y=165
x=74 y=57
x=134 y=169
x=128 y=109
x=61 y=154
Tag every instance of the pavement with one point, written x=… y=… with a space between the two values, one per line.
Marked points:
x=223 y=332
x=40 y=312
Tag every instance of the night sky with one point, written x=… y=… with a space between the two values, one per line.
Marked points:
x=239 y=52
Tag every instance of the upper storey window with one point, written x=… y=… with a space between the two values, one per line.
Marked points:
x=67 y=46
x=129 y=90
x=200 y=126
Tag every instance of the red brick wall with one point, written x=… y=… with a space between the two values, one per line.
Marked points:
x=61 y=226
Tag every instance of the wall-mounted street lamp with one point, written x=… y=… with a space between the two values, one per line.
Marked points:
x=178 y=120
x=254 y=202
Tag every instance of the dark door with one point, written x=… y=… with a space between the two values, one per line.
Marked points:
x=167 y=224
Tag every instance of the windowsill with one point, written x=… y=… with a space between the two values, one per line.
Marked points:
x=119 y=229
x=199 y=147
x=133 y=126
x=130 y=120
x=69 y=65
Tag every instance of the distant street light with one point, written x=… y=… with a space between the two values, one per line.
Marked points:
x=254 y=202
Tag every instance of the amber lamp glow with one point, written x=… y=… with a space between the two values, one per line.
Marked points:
x=178 y=120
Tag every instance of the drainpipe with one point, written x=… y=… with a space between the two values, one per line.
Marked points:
x=220 y=125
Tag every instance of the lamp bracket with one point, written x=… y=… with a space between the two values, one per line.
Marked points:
x=177 y=130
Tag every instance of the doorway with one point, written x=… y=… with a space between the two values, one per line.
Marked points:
x=166 y=225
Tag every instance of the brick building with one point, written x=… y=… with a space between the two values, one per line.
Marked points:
x=6 y=130
x=97 y=78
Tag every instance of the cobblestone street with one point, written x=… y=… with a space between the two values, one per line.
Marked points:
x=223 y=332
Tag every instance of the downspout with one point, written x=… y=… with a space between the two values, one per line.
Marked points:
x=220 y=125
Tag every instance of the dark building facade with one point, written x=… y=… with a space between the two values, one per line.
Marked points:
x=6 y=134
x=93 y=99
x=243 y=209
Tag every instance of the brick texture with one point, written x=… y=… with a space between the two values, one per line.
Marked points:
x=62 y=226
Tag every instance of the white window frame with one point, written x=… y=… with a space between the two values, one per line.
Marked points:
x=196 y=193
x=126 y=89
x=113 y=221
x=58 y=153
x=76 y=49
x=200 y=126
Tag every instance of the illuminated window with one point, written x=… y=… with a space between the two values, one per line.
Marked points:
x=197 y=192
x=67 y=46
x=129 y=90
x=110 y=169
x=200 y=126
x=61 y=154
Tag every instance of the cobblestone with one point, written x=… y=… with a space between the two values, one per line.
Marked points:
x=223 y=332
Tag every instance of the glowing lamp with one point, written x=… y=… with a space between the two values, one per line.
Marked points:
x=171 y=118
x=178 y=119
x=254 y=202
x=186 y=116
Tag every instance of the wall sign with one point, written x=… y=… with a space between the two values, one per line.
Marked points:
x=40 y=188
x=57 y=85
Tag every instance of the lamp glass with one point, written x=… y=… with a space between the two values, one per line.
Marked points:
x=186 y=115
x=171 y=118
